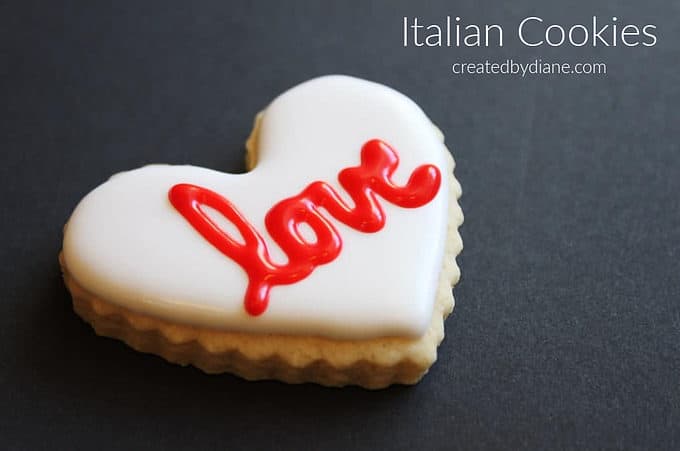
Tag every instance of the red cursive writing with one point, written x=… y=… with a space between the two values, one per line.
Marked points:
x=363 y=183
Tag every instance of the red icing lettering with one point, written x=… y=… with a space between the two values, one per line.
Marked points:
x=363 y=183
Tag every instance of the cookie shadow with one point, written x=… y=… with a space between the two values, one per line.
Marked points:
x=58 y=358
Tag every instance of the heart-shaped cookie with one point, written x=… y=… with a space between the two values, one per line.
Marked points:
x=331 y=245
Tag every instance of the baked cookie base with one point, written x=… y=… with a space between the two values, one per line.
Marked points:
x=372 y=363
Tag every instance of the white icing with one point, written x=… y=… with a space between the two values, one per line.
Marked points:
x=126 y=243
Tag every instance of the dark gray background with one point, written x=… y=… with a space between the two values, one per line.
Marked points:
x=566 y=332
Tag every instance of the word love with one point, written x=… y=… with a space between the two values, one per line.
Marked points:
x=363 y=183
